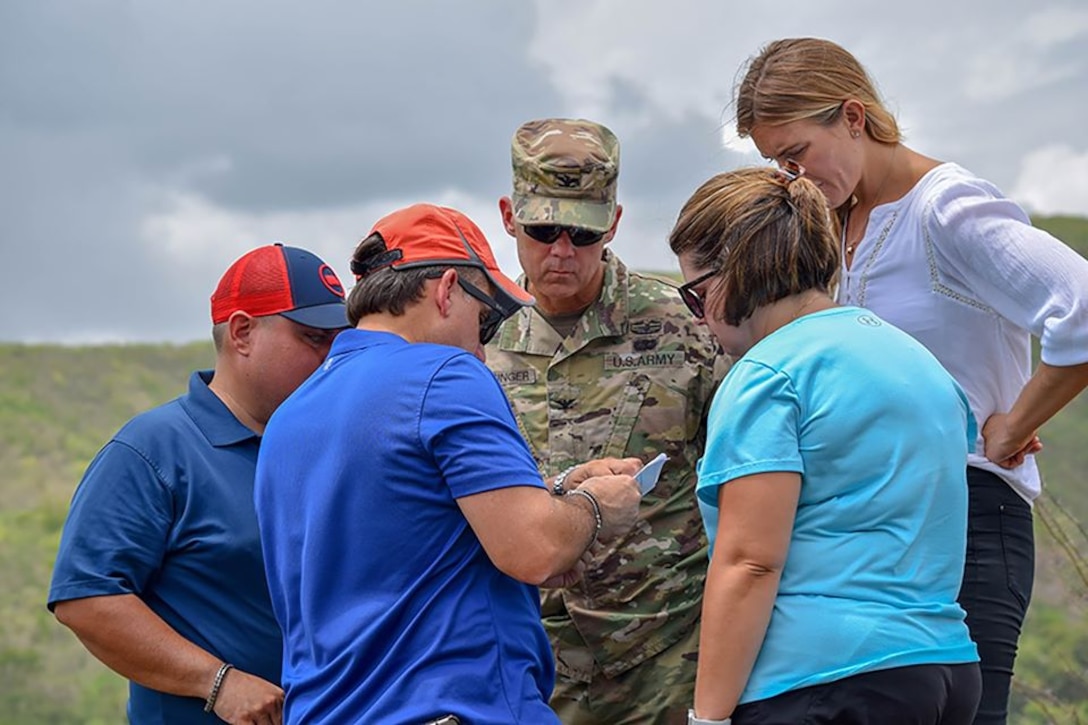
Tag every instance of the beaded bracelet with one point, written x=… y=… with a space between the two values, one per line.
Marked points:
x=557 y=486
x=596 y=512
x=209 y=704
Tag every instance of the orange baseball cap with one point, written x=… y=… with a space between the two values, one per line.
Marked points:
x=426 y=235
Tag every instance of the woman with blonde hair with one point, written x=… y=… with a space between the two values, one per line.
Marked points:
x=944 y=256
x=832 y=487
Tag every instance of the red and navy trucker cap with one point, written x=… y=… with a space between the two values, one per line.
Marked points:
x=279 y=280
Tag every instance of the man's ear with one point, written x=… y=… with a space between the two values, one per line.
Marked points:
x=615 y=223
x=240 y=328
x=443 y=292
x=506 y=209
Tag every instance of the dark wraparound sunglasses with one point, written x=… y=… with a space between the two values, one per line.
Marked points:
x=695 y=300
x=491 y=318
x=550 y=233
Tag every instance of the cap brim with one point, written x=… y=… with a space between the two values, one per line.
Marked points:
x=509 y=295
x=332 y=316
x=593 y=215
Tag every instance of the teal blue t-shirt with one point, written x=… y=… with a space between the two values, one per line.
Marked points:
x=879 y=432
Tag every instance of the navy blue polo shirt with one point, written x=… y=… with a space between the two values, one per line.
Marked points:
x=165 y=512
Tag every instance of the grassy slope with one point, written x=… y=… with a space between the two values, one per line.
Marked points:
x=58 y=405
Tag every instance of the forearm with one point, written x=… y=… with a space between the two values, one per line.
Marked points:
x=533 y=535
x=528 y=533
x=737 y=605
x=1049 y=390
x=129 y=638
x=566 y=532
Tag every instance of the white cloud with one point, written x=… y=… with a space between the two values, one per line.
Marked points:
x=673 y=54
x=733 y=142
x=1053 y=180
x=1057 y=25
x=995 y=75
x=189 y=232
x=1023 y=59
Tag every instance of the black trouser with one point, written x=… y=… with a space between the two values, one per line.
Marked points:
x=997 y=583
x=919 y=695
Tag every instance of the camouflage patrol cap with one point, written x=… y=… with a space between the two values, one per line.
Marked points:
x=565 y=173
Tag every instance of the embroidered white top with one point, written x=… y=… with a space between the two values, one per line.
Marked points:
x=959 y=267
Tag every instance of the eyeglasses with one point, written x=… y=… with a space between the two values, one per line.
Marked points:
x=694 y=300
x=550 y=233
x=491 y=318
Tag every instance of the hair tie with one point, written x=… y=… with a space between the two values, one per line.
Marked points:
x=790 y=170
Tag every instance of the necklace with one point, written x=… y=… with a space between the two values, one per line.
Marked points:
x=848 y=248
x=805 y=305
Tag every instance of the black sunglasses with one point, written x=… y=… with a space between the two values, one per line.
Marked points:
x=489 y=319
x=550 y=233
x=693 y=299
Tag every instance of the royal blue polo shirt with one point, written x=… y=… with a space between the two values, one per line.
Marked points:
x=165 y=512
x=392 y=611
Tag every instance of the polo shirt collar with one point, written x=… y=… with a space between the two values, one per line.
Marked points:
x=211 y=415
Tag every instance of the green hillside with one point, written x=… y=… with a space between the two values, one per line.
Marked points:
x=58 y=405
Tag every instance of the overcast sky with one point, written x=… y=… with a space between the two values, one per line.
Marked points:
x=146 y=145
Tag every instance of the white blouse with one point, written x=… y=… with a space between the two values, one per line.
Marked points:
x=959 y=267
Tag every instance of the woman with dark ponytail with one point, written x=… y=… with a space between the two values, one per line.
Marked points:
x=832 y=486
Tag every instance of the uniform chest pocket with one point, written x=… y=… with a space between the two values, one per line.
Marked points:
x=623 y=413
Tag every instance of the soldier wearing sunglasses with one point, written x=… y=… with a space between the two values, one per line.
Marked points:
x=607 y=363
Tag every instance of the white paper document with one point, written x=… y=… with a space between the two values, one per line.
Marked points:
x=648 y=474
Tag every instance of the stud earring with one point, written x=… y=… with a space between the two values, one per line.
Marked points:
x=855 y=134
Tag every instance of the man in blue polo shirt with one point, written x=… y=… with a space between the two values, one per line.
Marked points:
x=159 y=572
x=403 y=518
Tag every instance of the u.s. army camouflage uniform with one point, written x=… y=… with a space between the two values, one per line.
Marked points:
x=634 y=378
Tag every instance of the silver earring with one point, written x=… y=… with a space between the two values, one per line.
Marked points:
x=855 y=134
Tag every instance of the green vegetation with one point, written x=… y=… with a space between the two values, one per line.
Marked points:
x=59 y=405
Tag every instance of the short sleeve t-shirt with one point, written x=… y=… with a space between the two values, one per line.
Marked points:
x=879 y=432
